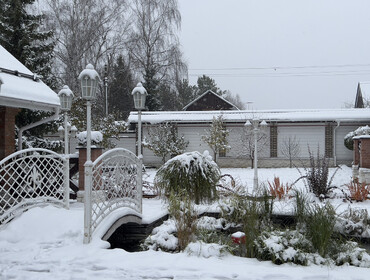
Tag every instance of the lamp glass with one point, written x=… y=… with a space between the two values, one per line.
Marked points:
x=139 y=100
x=88 y=87
x=65 y=102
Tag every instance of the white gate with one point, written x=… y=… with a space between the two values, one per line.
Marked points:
x=116 y=182
x=29 y=178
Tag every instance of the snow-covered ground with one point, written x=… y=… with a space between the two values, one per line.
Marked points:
x=46 y=243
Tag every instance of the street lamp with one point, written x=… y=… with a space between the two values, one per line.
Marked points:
x=139 y=93
x=257 y=126
x=89 y=82
x=65 y=96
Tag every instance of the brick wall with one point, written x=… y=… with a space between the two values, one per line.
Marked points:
x=95 y=153
x=365 y=153
x=7 y=135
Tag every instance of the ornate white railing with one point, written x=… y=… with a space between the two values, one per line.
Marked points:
x=116 y=182
x=29 y=178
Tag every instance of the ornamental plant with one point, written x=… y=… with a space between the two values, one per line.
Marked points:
x=358 y=191
x=278 y=189
x=192 y=174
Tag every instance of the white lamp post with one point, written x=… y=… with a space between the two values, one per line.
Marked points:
x=256 y=125
x=139 y=93
x=66 y=96
x=89 y=82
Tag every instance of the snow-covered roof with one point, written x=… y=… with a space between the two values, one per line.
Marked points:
x=313 y=115
x=20 y=87
x=211 y=92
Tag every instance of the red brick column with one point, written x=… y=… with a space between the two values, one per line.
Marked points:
x=95 y=153
x=356 y=152
x=365 y=152
x=7 y=135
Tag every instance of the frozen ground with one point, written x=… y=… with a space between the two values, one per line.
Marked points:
x=46 y=243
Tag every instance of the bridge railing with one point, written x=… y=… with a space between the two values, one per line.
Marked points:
x=116 y=182
x=29 y=178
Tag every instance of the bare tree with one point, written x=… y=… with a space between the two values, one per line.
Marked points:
x=154 y=46
x=247 y=144
x=291 y=149
x=87 y=31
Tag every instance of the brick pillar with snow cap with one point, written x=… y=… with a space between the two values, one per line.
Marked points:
x=364 y=170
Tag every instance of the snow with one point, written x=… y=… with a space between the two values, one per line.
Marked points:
x=90 y=72
x=96 y=137
x=24 y=92
x=139 y=88
x=46 y=243
x=313 y=115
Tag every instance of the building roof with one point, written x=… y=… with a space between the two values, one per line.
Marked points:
x=227 y=105
x=20 y=88
x=362 y=95
x=314 y=115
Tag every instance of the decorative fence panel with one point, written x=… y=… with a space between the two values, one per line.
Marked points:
x=116 y=182
x=29 y=178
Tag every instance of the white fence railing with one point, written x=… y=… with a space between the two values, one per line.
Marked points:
x=29 y=178
x=116 y=182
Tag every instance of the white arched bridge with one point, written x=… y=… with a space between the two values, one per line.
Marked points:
x=35 y=177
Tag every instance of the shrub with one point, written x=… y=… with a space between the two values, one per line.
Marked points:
x=358 y=191
x=317 y=175
x=191 y=174
x=278 y=189
x=353 y=222
x=185 y=216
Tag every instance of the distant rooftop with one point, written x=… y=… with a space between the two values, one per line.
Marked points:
x=314 y=115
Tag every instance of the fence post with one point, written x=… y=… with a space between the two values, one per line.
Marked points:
x=140 y=182
x=87 y=202
x=66 y=183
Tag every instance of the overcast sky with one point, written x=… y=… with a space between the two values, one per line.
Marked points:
x=279 y=54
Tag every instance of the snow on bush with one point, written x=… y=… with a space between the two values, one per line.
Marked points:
x=96 y=138
x=353 y=222
x=206 y=250
x=292 y=246
x=348 y=139
x=193 y=174
x=162 y=237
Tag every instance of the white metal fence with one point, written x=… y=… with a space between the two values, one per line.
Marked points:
x=29 y=178
x=116 y=182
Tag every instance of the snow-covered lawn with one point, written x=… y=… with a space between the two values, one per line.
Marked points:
x=46 y=243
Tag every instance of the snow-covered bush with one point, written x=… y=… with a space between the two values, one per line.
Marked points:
x=192 y=174
x=96 y=138
x=162 y=237
x=348 y=139
x=206 y=250
x=353 y=222
x=293 y=246
x=164 y=140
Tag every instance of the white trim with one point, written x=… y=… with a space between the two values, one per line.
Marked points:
x=209 y=91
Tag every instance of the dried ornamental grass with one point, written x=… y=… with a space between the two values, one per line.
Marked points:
x=278 y=189
x=358 y=191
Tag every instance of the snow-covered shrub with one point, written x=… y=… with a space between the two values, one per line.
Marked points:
x=348 y=139
x=292 y=246
x=164 y=140
x=353 y=222
x=192 y=174
x=206 y=250
x=252 y=214
x=96 y=138
x=162 y=237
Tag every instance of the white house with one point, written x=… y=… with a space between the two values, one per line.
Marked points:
x=314 y=129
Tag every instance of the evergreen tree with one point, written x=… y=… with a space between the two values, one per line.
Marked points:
x=120 y=101
x=187 y=93
x=21 y=34
x=206 y=83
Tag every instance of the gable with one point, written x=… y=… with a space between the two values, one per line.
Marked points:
x=209 y=101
